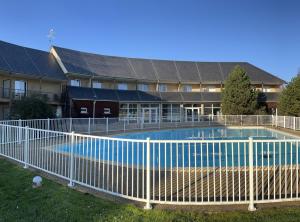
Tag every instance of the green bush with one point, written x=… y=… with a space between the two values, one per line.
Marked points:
x=238 y=96
x=289 y=100
x=32 y=107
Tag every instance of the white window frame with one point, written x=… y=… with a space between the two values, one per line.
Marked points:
x=20 y=91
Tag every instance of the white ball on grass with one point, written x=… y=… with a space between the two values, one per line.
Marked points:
x=37 y=181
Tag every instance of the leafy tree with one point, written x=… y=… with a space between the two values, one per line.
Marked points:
x=238 y=96
x=32 y=107
x=289 y=100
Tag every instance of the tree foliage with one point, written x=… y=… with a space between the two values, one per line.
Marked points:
x=33 y=107
x=238 y=96
x=289 y=100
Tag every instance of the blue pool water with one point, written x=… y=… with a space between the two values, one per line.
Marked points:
x=195 y=154
x=206 y=134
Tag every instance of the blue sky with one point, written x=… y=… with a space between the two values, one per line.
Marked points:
x=263 y=32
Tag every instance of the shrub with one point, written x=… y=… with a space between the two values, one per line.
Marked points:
x=31 y=107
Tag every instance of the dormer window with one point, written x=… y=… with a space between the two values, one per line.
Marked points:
x=143 y=87
x=96 y=84
x=162 y=88
x=122 y=86
x=75 y=82
x=186 y=88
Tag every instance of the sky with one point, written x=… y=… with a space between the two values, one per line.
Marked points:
x=265 y=33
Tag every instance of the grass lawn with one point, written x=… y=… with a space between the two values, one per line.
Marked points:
x=54 y=202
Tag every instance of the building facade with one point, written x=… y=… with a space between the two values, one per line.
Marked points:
x=81 y=84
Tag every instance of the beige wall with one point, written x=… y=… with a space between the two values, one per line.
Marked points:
x=34 y=84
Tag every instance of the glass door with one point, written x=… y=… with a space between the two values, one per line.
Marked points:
x=192 y=114
x=149 y=115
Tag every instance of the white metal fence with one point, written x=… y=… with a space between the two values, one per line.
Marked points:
x=111 y=125
x=162 y=171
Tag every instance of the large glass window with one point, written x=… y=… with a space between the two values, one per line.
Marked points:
x=6 y=88
x=122 y=86
x=171 y=112
x=20 y=88
x=75 y=82
x=143 y=87
x=128 y=110
x=162 y=88
x=96 y=84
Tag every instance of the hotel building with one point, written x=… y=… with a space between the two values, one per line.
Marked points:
x=81 y=84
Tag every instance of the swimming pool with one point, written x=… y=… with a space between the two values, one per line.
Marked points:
x=212 y=133
x=197 y=147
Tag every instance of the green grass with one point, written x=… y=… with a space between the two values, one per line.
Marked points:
x=55 y=202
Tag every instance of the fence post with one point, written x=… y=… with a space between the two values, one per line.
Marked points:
x=89 y=126
x=241 y=120
x=284 y=122
x=124 y=126
x=256 y=120
x=20 y=131
x=106 y=124
x=71 y=183
x=251 y=182
x=148 y=185
x=26 y=148
x=48 y=124
x=225 y=120
x=294 y=123
x=70 y=125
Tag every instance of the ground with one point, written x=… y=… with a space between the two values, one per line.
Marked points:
x=56 y=202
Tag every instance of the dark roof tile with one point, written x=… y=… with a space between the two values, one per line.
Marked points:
x=31 y=62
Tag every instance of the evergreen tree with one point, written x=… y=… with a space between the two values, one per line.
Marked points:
x=238 y=96
x=289 y=100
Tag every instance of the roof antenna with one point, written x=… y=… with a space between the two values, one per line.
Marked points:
x=51 y=36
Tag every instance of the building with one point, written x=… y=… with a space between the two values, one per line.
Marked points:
x=108 y=86
x=25 y=71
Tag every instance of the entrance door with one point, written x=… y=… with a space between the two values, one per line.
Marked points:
x=149 y=115
x=192 y=114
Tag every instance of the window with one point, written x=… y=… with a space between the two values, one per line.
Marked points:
x=96 y=84
x=143 y=87
x=128 y=111
x=75 y=82
x=6 y=88
x=20 y=88
x=187 y=88
x=162 y=88
x=83 y=110
x=122 y=86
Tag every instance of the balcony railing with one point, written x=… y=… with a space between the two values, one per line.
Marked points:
x=13 y=94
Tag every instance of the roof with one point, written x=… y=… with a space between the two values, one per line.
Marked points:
x=167 y=71
x=85 y=93
x=30 y=62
